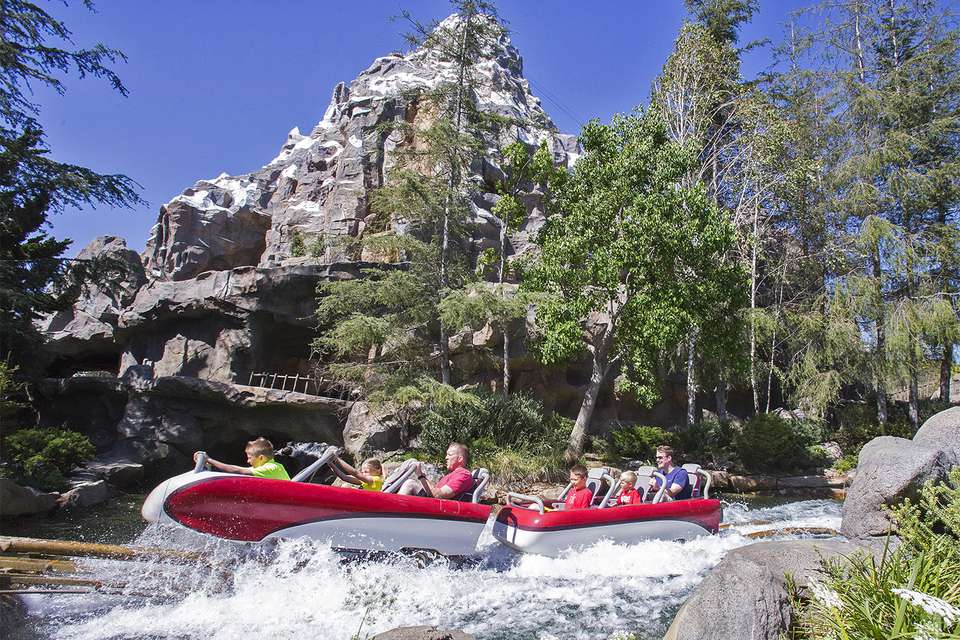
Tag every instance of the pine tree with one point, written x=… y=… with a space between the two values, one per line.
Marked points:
x=34 y=277
x=386 y=330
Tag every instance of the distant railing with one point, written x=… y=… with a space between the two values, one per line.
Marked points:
x=311 y=386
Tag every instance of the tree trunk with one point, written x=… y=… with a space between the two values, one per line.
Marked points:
x=597 y=374
x=691 y=378
x=914 y=395
x=506 y=322
x=721 y=395
x=881 y=346
x=753 y=310
x=946 y=372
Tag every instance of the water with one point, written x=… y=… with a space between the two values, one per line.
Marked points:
x=302 y=589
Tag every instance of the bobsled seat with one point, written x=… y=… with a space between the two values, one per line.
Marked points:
x=602 y=485
x=481 y=477
x=699 y=480
x=396 y=479
x=643 y=480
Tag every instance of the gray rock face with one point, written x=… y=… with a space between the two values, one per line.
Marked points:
x=891 y=469
x=745 y=596
x=942 y=431
x=319 y=185
x=19 y=501
x=90 y=324
x=422 y=633
x=162 y=421
x=369 y=430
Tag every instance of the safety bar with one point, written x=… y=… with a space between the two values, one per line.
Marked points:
x=307 y=473
x=484 y=479
x=707 y=479
x=520 y=496
x=566 y=490
x=201 y=462
x=663 y=486
x=613 y=484
x=393 y=483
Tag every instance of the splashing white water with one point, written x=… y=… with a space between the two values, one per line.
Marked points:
x=307 y=590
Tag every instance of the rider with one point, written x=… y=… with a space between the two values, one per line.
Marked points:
x=259 y=457
x=678 y=482
x=628 y=493
x=369 y=477
x=458 y=481
x=579 y=497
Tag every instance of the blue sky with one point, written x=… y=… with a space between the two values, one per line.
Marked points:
x=216 y=84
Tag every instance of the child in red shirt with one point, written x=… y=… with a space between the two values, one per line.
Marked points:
x=579 y=497
x=628 y=494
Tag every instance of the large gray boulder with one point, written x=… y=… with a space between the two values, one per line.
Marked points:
x=21 y=501
x=889 y=470
x=422 y=632
x=370 y=429
x=86 y=494
x=745 y=596
x=942 y=431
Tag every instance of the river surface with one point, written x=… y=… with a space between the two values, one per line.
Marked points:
x=302 y=591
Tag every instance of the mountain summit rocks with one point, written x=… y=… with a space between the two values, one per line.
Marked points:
x=319 y=185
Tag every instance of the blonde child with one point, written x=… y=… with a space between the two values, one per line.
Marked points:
x=628 y=493
x=259 y=457
x=369 y=477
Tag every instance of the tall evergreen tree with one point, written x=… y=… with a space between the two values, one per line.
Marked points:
x=36 y=49
x=422 y=211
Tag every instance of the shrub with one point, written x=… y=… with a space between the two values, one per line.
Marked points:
x=509 y=436
x=709 y=443
x=40 y=457
x=774 y=444
x=846 y=463
x=640 y=442
x=912 y=590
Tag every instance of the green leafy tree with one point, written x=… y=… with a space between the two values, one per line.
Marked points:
x=632 y=261
x=36 y=49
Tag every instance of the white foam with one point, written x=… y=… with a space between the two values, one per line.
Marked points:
x=307 y=588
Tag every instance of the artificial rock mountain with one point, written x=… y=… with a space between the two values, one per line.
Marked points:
x=218 y=294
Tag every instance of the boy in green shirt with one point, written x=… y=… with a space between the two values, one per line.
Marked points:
x=259 y=457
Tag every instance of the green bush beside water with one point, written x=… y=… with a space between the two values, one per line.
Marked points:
x=510 y=436
x=40 y=457
x=771 y=443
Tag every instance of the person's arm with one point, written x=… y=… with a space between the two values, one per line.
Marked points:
x=344 y=471
x=223 y=466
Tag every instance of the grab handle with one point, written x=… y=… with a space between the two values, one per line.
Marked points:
x=201 y=462
x=520 y=496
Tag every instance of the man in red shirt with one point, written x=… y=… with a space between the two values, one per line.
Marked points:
x=579 y=497
x=449 y=487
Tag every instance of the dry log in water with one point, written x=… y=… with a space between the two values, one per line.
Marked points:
x=36 y=565
x=727 y=525
x=93 y=550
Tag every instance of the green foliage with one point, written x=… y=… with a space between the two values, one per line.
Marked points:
x=708 y=442
x=855 y=597
x=774 y=444
x=298 y=247
x=39 y=457
x=640 y=442
x=508 y=435
x=34 y=277
x=636 y=250
x=847 y=463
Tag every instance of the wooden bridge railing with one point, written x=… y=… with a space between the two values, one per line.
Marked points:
x=310 y=385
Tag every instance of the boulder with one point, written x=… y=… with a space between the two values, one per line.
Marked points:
x=749 y=484
x=422 y=633
x=889 y=470
x=86 y=494
x=117 y=474
x=21 y=501
x=370 y=429
x=942 y=431
x=745 y=596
